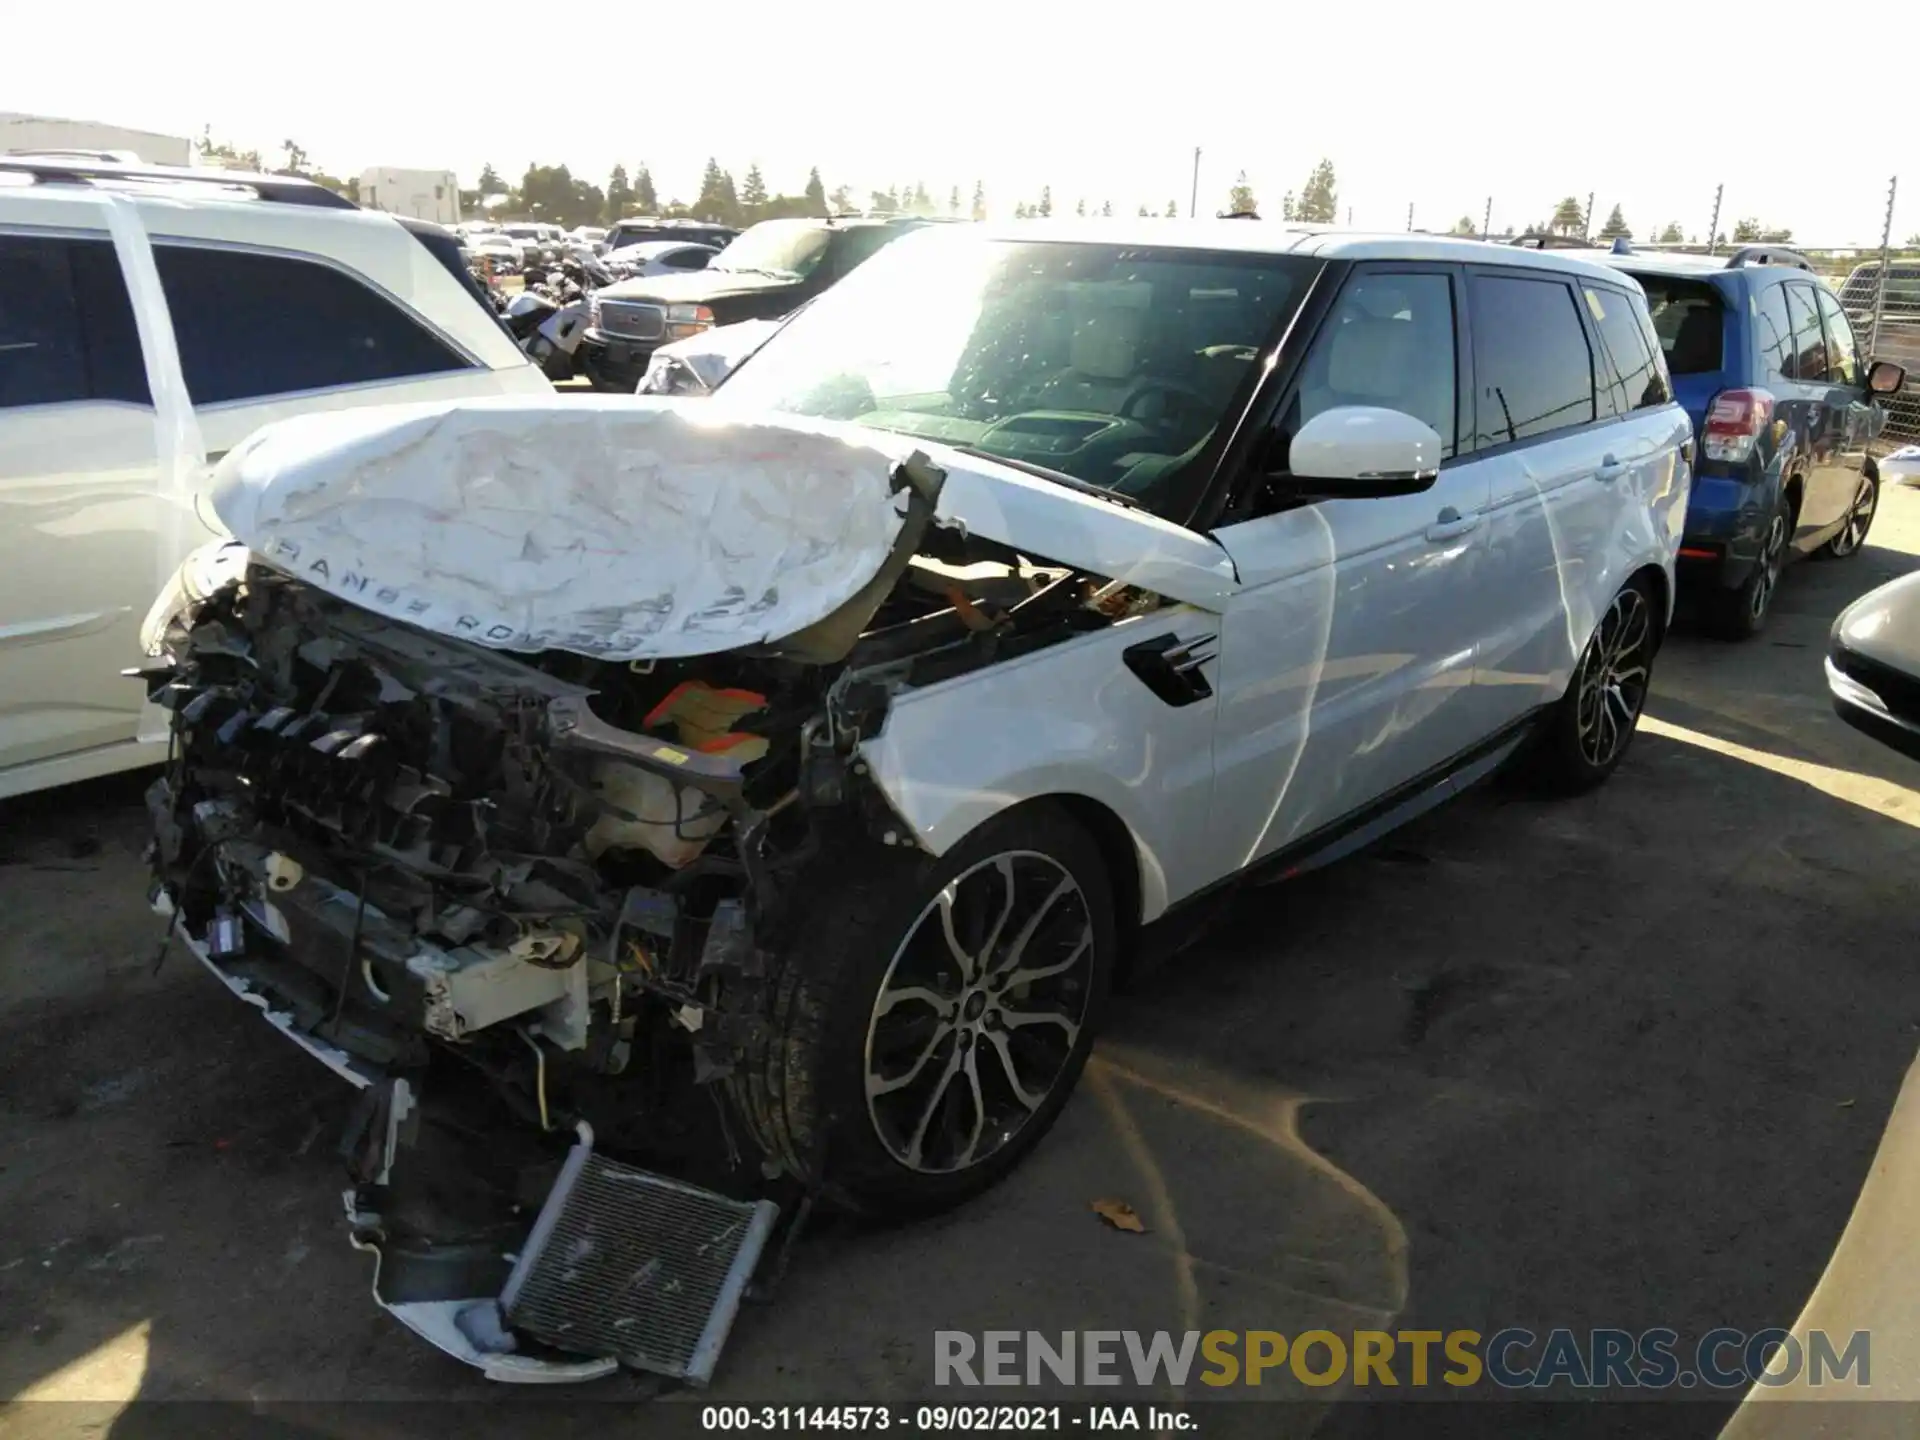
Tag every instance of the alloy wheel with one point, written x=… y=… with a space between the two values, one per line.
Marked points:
x=1773 y=555
x=1613 y=677
x=1859 y=520
x=979 y=1012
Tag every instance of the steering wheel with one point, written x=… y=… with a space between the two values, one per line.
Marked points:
x=1183 y=396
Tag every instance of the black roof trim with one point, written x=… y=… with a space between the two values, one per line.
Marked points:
x=1767 y=255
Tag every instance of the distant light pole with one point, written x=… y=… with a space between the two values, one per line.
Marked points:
x=1193 y=201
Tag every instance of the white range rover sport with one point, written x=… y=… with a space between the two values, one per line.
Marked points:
x=798 y=768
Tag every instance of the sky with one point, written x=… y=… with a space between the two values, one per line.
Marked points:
x=1438 y=107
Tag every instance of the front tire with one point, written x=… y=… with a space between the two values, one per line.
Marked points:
x=1588 y=733
x=931 y=1016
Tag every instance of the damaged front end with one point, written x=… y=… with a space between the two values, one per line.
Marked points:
x=549 y=891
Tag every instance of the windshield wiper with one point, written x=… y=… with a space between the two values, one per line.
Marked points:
x=1058 y=477
x=756 y=270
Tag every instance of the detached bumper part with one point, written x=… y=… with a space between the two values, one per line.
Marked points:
x=622 y=1266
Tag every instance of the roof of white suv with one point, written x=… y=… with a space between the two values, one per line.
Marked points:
x=1285 y=238
x=374 y=246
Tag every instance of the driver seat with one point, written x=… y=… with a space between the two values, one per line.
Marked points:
x=1103 y=360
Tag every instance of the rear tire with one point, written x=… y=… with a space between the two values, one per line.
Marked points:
x=932 y=1015
x=1742 y=613
x=1588 y=732
x=1853 y=535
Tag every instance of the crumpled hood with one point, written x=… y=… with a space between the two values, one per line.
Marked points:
x=628 y=528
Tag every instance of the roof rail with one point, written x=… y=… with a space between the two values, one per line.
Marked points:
x=1767 y=255
x=280 y=189
x=1537 y=241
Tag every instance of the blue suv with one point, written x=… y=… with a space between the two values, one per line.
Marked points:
x=1783 y=408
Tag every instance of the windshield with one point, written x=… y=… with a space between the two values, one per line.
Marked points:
x=1112 y=365
x=776 y=247
x=524 y=232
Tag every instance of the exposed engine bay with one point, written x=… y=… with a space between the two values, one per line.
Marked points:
x=572 y=879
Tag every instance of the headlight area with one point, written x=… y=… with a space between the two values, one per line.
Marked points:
x=684 y=321
x=205 y=572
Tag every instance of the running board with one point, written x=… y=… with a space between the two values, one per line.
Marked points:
x=635 y=1267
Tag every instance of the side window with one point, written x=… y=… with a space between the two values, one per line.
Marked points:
x=249 y=325
x=1809 y=345
x=66 y=324
x=1531 y=360
x=1642 y=375
x=1773 y=329
x=1843 y=364
x=685 y=259
x=861 y=243
x=1389 y=342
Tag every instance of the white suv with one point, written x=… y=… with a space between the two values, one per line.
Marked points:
x=267 y=297
x=840 y=735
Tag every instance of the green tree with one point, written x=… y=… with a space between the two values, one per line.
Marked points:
x=1106 y=208
x=1319 y=202
x=841 y=199
x=646 y=199
x=715 y=191
x=1746 y=231
x=753 y=194
x=490 y=182
x=922 y=202
x=1465 y=226
x=1173 y=211
x=1616 y=227
x=953 y=201
x=1289 y=207
x=979 y=200
x=1775 y=235
x=1240 y=198
x=1142 y=211
x=619 y=194
x=1568 y=217
x=1080 y=208
x=1045 y=209
x=296 y=157
x=1671 y=235
x=1020 y=210
x=886 y=201
x=815 y=192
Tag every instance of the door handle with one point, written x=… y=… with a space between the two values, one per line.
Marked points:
x=1609 y=469
x=1450 y=524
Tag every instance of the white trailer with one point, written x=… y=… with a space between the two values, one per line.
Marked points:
x=39 y=134
x=423 y=194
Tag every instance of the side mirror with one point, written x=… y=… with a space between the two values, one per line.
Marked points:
x=1364 y=452
x=1885 y=378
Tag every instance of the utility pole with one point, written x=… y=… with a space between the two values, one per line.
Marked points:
x=1586 y=225
x=1880 y=290
x=1349 y=217
x=1193 y=201
x=1713 y=228
x=1486 y=221
x=1409 y=217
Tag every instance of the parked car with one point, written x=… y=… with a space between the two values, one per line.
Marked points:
x=497 y=249
x=1021 y=593
x=282 y=298
x=638 y=230
x=1784 y=407
x=659 y=257
x=697 y=365
x=1873 y=664
x=594 y=237
x=773 y=268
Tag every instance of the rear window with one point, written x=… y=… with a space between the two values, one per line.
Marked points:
x=1687 y=318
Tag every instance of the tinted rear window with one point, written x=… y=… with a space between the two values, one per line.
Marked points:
x=1687 y=318
x=250 y=324
x=1531 y=361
